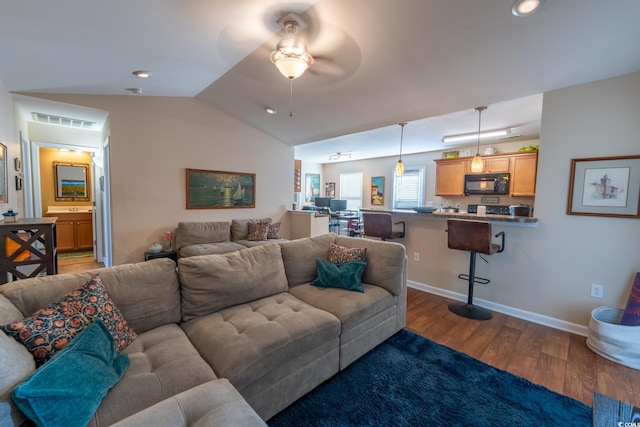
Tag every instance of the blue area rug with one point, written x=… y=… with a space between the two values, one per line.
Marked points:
x=411 y=381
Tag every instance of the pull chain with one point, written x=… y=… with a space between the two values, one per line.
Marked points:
x=291 y=98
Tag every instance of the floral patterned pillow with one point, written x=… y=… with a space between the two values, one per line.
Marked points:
x=258 y=231
x=274 y=231
x=50 y=329
x=340 y=254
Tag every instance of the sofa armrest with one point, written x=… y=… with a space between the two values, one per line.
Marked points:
x=386 y=262
x=214 y=403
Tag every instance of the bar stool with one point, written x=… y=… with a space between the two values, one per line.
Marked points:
x=475 y=237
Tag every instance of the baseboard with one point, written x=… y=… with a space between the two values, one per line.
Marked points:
x=541 y=319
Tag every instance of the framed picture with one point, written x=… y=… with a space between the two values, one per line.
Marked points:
x=311 y=186
x=220 y=190
x=330 y=189
x=605 y=186
x=377 y=190
x=71 y=181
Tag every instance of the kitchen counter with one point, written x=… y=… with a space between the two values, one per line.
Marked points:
x=522 y=221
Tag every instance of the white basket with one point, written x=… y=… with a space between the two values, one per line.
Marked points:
x=611 y=340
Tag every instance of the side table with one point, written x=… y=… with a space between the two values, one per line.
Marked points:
x=165 y=254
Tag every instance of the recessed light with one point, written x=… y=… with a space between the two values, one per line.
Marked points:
x=135 y=90
x=523 y=8
x=142 y=74
x=270 y=111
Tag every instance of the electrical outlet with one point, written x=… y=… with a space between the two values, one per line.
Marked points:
x=416 y=256
x=597 y=291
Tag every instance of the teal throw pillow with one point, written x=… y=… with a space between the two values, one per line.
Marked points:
x=347 y=276
x=67 y=390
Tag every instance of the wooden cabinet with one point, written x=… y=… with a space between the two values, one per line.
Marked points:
x=523 y=174
x=450 y=176
x=522 y=167
x=497 y=164
x=75 y=231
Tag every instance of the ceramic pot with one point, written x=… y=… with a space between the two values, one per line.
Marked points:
x=155 y=248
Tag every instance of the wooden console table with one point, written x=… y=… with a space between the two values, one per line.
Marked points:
x=28 y=248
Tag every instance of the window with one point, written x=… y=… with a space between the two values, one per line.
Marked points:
x=408 y=189
x=351 y=190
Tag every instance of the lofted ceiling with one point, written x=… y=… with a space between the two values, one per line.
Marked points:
x=379 y=62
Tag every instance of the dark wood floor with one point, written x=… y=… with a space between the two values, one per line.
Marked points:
x=558 y=360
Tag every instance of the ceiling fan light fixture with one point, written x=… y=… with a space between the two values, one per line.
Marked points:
x=291 y=56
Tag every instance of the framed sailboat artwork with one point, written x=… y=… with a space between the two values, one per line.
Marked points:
x=220 y=190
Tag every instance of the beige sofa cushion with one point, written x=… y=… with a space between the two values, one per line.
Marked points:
x=195 y=233
x=214 y=403
x=350 y=307
x=210 y=249
x=214 y=282
x=247 y=342
x=300 y=256
x=147 y=293
x=162 y=363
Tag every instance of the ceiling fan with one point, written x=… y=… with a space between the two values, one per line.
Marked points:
x=292 y=57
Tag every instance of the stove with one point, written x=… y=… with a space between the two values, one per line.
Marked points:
x=491 y=209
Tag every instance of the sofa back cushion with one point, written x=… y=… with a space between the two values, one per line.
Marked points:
x=195 y=233
x=300 y=256
x=213 y=282
x=147 y=293
x=240 y=227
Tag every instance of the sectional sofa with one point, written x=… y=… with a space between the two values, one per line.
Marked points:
x=225 y=339
x=219 y=237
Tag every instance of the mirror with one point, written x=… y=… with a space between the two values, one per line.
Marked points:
x=71 y=182
x=4 y=187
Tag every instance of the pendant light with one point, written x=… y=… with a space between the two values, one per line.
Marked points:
x=477 y=164
x=400 y=165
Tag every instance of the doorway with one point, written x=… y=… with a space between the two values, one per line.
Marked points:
x=81 y=215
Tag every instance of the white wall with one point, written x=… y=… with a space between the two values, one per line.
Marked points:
x=154 y=139
x=9 y=137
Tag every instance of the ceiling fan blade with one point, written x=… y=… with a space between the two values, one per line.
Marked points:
x=326 y=66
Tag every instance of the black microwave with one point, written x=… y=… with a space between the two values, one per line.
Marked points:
x=486 y=183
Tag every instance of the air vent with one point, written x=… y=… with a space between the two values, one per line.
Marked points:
x=62 y=121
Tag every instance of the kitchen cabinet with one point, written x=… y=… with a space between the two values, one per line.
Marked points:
x=450 y=176
x=522 y=167
x=523 y=174
x=75 y=231
x=496 y=164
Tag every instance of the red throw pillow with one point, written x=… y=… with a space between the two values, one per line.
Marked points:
x=50 y=329
x=274 y=231
x=340 y=254
x=258 y=231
